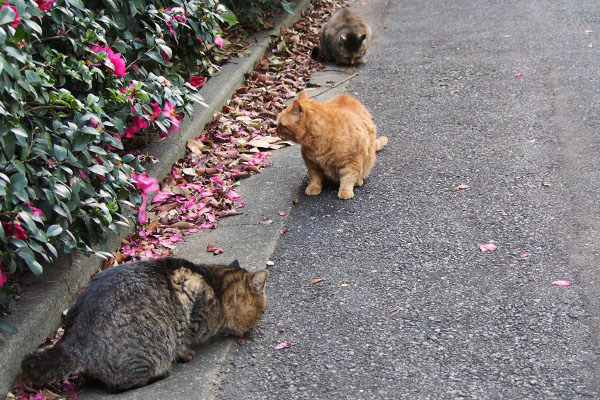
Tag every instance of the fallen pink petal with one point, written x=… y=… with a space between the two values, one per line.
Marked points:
x=525 y=255
x=518 y=74
x=462 y=187
x=232 y=195
x=562 y=283
x=487 y=247
x=284 y=345
x=588 y=31
x=282 y=213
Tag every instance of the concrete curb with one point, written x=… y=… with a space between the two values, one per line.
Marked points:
x=40 y=308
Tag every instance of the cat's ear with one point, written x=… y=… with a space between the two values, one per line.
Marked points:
x=343 y=37
x=362 y=38
x=259 y=280
x=302 y=95
x=235 y=263
x=297 y=107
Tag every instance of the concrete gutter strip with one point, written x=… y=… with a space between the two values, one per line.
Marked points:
x=39 y=310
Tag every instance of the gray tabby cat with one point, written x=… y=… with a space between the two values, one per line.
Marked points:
x=132 y=321
x=344 y=38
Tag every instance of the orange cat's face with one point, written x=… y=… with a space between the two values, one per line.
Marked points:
x=289 y=121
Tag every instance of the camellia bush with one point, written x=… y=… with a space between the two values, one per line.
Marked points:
x=251 y=12
x=78 y=80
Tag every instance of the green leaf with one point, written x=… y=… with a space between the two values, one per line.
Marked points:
x=229 y=17
x=54 y=230
x=14 y=52
x=98 y=150
x=77 y=4
x=18 y=182
x=7 y=15
x=98 y=169
x=155 y=55
x=27 y=255
x=60 y=152
x=33 y=26
x=63 y=191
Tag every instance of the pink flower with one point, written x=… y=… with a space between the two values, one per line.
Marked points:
x=155 y=111
x=196 y=81
x=218 y=42
x=169 y=111
x=129 y=132
x=3 y=276
x=115 y=58
x=34 y=210
x=44 y=5
x=17 y=19
x=171 y=29
x=14 y=229
x=147 y=185
x=139 y=123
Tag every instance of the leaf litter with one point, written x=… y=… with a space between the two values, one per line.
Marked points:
x=200 y=189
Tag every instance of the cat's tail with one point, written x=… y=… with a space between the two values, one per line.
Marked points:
x=381 y=141
x=47 y=365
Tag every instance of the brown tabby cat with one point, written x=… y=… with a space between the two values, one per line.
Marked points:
x=132 y=321
x=338 y=140
x=344 y=38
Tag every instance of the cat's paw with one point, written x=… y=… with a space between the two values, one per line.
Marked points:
x=359 y=182
x=312 y=190
x=185 y=355
x=345 y=194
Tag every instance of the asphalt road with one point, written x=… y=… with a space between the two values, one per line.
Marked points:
x=410 y=307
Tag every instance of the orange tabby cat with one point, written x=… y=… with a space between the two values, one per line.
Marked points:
x=338 y=140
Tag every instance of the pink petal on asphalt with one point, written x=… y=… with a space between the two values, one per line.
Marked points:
x=525 y=255
x=232 y=195
x=487 y=247
x=462 y=187
x=283 y=345
x=588 y=31
x=518 y=74
x=562 y=283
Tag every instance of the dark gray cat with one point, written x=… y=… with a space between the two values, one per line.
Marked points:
x=344 y=38
x=132 y=321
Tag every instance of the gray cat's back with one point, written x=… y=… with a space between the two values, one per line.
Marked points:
x=345 y=38
x=132 y=321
